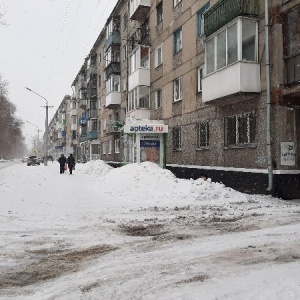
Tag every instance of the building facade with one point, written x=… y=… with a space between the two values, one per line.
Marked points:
x=187 y=84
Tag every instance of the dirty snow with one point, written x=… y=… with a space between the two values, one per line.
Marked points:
x=138 y=232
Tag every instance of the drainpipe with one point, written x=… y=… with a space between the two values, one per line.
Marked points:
x=268 y=100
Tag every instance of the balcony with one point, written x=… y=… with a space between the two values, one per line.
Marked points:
x=112 y=99
x=138 y=114
x=113 y=39
x=92 y=135
x=74 y=127
x=82 y=84
x=113 y=68
x=139 y=9
x=91 y=72
x=74 y=112
x=237 y=79
x=83 y=103
x=82 y=121
x=92 y=113
x=292 y=68
x=114 y=127
x=225 y=11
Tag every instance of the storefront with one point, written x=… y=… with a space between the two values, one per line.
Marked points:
x=145 y=141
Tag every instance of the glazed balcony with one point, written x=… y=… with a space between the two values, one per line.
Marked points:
x=139 y=9
x=113 y=68
x=92 y=113
x=113 y=99
x=225 y=11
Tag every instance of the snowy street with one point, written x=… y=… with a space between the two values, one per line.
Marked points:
x=138 y=232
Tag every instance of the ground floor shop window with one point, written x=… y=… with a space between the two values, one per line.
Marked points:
x=240 y=129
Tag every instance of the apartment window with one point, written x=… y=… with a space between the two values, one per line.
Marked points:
x=236 y=42
x=176 y=138
x=110 y=145
x=199 y=79
x=159 y=13
x=291 y=34
x=202 y=130
x=104 y=148
x=74 y=119
x=124 y=51
x=104 y=124
x=158 y=98
x=158 y=56
x=113 y=84
x=139 y=98
x=177 y=37
x=117 y=146
x=176 y=2
x=100 y=59
x=99 y=81
x=94 y=126
x=124 y=84
x=200 y=19
x=240 y=129
x=125 y=21
x=139 y=58
x=177 y=85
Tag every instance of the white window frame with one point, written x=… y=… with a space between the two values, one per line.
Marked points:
x=110 y=146
x=200 y=71
x=176 y=2
x=177 y=81
x=104 y=148
x=117 y=146
x=177 y=37
x=113 y=84
x=158 y=55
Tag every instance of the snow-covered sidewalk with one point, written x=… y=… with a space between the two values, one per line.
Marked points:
x=138 y=232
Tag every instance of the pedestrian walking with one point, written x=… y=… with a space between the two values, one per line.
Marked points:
x=71 y=163
x=62 y=161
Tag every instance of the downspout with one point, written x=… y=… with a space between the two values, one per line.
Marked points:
x=268 y=100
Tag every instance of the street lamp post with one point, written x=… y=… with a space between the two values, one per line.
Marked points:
x=46 y=127
x=38 y=130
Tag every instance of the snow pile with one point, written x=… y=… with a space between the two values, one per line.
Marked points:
x=96 y=168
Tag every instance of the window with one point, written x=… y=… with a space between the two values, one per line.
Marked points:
x=240 y=129
x=110 y=144
x=117 y=146
x=99 y=81
x=124 y=84
x=177 y=89
x=236 y=42
x=124 y=51
x=199 y=79
x=200 y=19
x=291 y=29
x=158 y=99
x=159 y=13
x=176 y=138
x=125 y=21
x=202 y=130
x=139 y=98
x=177 y=36
x=176 y=2
x=104 y=148
x=74 y=119
x=113 y=84
x=104 y=124
x=158 y=56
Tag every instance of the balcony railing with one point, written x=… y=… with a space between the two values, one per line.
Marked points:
x=292 y=69
x=92 y=70
x=114 y=127
x=225 y=11
x=139 y=9
x=113 y=39
x=92 y=135
x=113 y=68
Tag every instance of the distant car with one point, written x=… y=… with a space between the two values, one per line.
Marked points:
x=33 y=161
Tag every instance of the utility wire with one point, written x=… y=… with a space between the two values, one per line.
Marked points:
x=59 y=40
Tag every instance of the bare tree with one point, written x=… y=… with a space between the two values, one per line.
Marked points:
x=11 y=137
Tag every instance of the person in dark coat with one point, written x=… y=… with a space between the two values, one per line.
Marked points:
x=71 y=163
x=62 y=161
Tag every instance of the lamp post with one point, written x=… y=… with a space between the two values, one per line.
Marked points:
x=38 y=140
x=46 y=127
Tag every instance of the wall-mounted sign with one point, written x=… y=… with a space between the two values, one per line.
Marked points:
x=287 y=154
x=145 y=128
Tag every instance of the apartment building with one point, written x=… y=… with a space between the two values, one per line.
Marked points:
x=184 y=83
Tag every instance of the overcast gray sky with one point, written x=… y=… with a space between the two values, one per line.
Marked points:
x=43 y=48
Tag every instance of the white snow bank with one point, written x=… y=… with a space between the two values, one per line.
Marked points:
x=97 y=168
